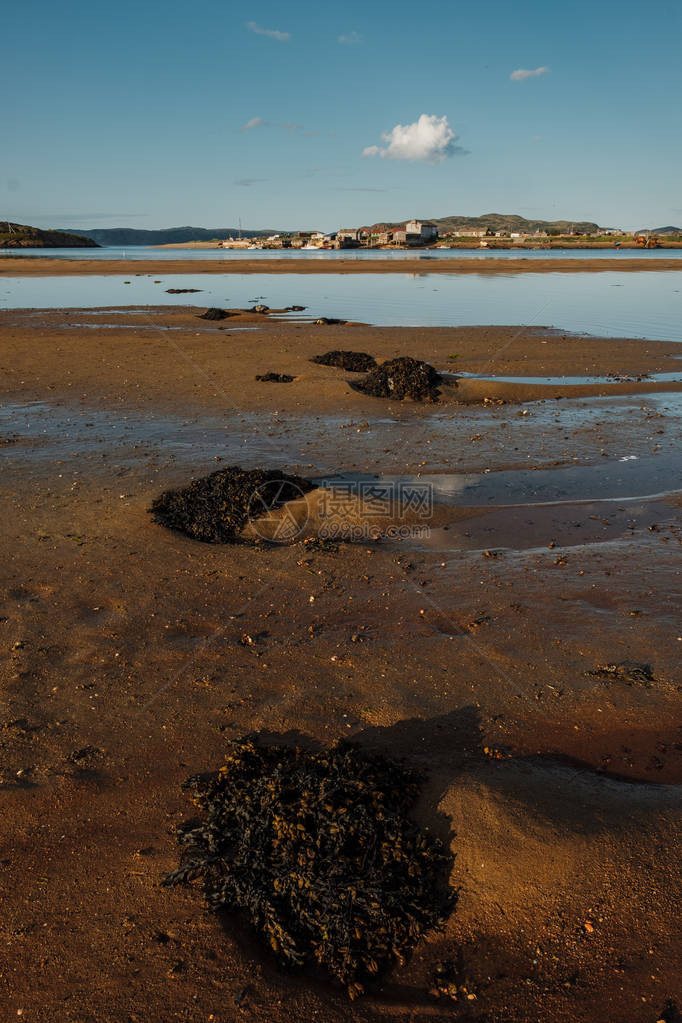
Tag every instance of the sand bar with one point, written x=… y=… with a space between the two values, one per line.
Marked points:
x=44 y=266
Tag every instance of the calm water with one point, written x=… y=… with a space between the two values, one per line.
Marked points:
x=149 y=252
x=610 y=304
x=623 y=480
x=48 y=432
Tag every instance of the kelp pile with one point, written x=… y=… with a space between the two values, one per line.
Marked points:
x=402 y=378
x=630 y=672
x=275 y=378
x=216 y=508
x=215 y=314
x=352 y=362
x=318 y=851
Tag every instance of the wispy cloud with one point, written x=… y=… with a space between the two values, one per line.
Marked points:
x=430 y=139
x=290 y=126
x=522 y=73
x=351 y=39
x=255 y=122
x=298 y=129
x=247 y=182
x=271 y=33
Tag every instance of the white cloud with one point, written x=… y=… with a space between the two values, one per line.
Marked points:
x=522 y=73
x=255 y=122
x=272 y=33
x=430 y=139
x=351 y=38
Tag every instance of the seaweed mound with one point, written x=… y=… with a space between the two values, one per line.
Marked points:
x=625 y=671
x=402 y=378
x=216 y=508
x=215 y=314
x=353 y=362
x=319 y=853
x=275 y=378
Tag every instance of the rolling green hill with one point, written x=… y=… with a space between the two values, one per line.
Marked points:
x=513 y=222
x=508 y=222
x=669 y=229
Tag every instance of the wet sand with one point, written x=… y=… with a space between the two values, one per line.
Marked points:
x=474 y=654
x=169 y=355
x=43 y=266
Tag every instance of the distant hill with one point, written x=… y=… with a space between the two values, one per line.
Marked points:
x=20 y=236
x=163 y=236
x=660 y=230
x=511 y=222
x=123 y=236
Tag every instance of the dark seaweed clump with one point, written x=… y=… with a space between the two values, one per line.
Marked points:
x=216 y=508
x=215 y=314
x=402 y=378
x=352 y=362
x=275 y=378
x=625 y=671
x=317 y=850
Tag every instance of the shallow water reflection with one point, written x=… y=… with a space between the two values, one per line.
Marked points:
x=608 y=304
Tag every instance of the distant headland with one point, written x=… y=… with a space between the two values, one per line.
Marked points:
x=20 y=236
x=492 y=230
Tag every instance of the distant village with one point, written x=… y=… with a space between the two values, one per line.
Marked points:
x=425 y=234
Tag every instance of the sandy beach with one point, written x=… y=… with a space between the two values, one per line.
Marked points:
x=44 y=266
x=481 y=653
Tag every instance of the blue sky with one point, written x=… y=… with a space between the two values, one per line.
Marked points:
x=134 y=113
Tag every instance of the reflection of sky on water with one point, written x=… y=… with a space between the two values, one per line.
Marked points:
x=47 y=432
x=609 y=304
x=622 y=480
x=570 y=381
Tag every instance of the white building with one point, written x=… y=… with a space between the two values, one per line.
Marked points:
x=421 y=230
x=470 y=232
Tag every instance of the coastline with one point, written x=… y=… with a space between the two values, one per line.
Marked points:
x=496 y=246
x=43 y=266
